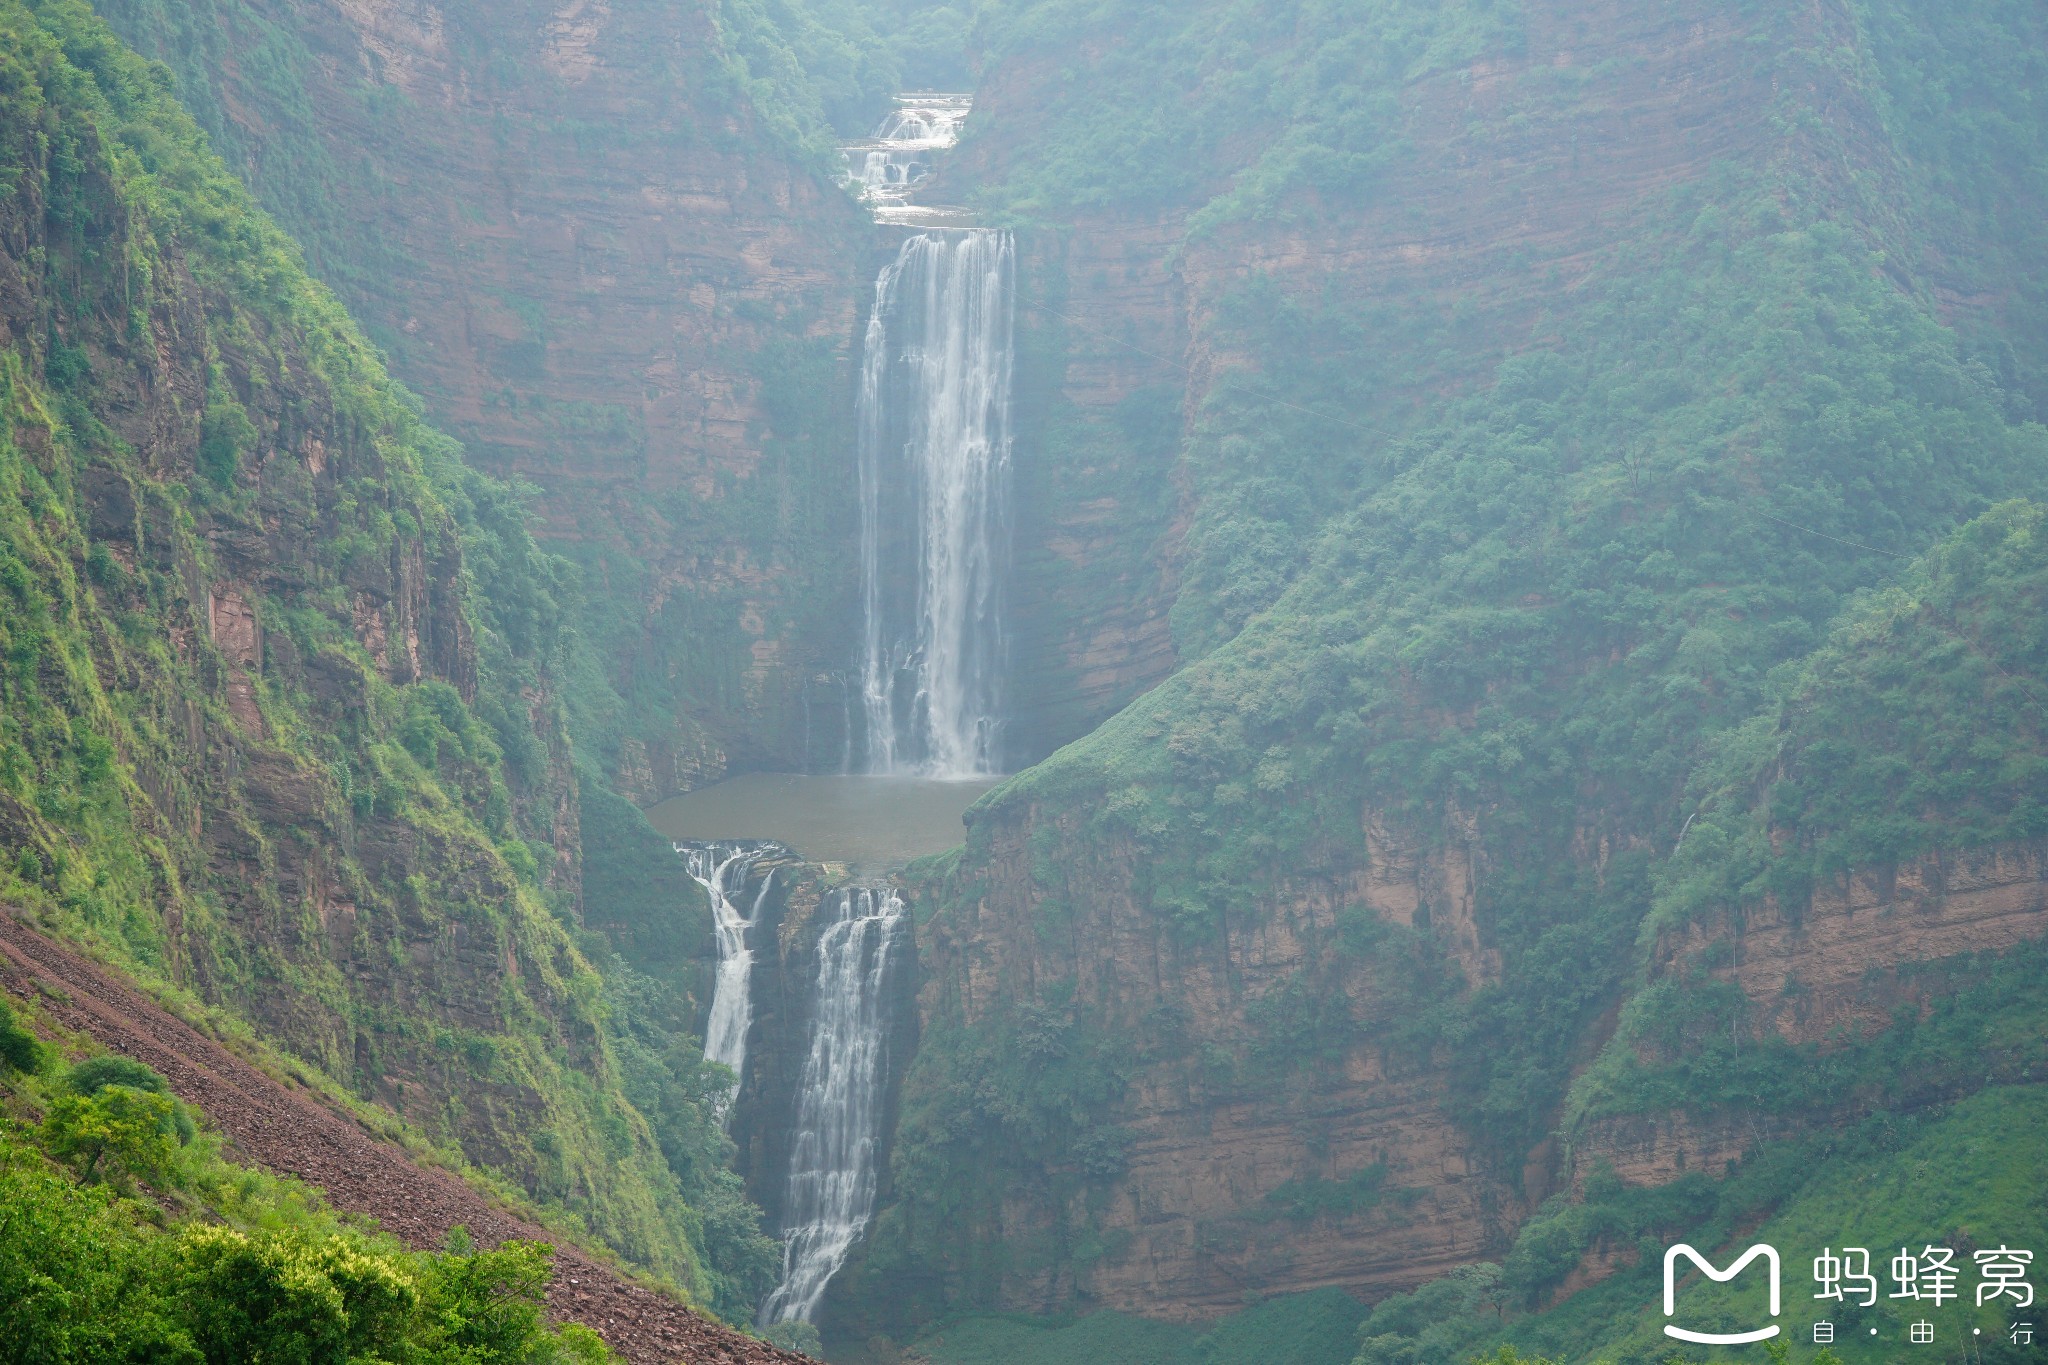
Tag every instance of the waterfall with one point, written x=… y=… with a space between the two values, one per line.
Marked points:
x=831 y=1188
x=723 y=871
x=934 y=453
x=884 y=169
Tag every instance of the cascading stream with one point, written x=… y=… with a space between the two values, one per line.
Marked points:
x=723 y=870
x=898 y=158
x=934 y=475
x=832 y=1172
x=934 y=454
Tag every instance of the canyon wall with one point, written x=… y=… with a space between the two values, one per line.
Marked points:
x=1830 y=974
x=279 y=736
x=1281 y=979
x=580 y=244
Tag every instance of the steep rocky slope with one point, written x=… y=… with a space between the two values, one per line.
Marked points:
x=291 y=1131
x=1543 y=379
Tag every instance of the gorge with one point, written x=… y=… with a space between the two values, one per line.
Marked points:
x=1289 y=686
x=933 y=456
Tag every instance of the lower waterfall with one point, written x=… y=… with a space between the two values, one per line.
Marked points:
x=832 y=1169
x=722 y=870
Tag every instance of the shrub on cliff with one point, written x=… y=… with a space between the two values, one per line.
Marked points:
x=116 y=1135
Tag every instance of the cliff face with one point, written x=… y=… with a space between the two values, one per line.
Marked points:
x=1102 y=508
x=1238 y=1160
x=1280 y=980
x=1838 y=972
x=580 y=245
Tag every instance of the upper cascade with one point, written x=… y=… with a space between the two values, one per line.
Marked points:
x=887 y=169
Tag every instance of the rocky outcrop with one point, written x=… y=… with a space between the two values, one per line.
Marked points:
x=1830 y=973
x=1244 y=1165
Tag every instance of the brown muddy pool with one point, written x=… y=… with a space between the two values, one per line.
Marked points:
x=868 y=823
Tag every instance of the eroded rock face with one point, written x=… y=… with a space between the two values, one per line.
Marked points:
x=234 y=648
x=1244 y=1166
x=1830 y=973
x=1102 y=320
x=604 y=275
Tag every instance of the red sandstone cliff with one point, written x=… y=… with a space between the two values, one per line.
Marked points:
x=600 y=270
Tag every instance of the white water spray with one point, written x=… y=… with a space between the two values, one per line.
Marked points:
x=934 y=456
x=832 y=1176
x=723 y=871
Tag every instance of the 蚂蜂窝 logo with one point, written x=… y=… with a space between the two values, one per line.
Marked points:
x=1770 y=1257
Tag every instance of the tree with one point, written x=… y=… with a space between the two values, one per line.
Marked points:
x=117 y=1135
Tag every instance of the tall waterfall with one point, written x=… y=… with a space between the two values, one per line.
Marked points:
x=934 y=504
x=831 y=1189
x=723 y=870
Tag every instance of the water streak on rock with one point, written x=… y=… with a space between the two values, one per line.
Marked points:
x=723 y=870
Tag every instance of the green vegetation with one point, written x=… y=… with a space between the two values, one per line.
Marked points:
x=132 y=1237
x=813 y=68
x=1161 y=108
x=1029 y=1093
x=20 y=1050
x=1919 y=725
x=1301 y=1329
x=278 y=728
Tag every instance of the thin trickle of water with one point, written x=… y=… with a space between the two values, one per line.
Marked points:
x=831 y=1189
x=934 y=453
x=723 y=870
